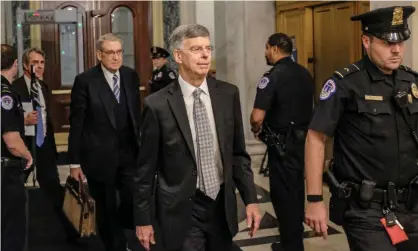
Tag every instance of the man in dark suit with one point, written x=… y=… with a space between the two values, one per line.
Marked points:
x=46 y=151
x=192 y=138
x=104 y=138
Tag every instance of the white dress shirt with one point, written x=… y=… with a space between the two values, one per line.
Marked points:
x=109 y=78
x=187 y=91
x=41 y=100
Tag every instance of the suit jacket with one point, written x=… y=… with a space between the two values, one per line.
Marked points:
x=93 y=137
x=19 y=85
x=167 y=149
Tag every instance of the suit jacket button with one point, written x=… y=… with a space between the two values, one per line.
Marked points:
x=194 y=173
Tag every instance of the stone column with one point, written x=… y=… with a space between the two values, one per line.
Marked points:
x=241 y=31
x=411 y=46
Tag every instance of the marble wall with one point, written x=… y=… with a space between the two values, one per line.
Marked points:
x=241 y=31
x=171 y=17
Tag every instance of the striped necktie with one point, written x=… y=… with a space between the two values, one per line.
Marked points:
x=40 y=137
x=116 y=89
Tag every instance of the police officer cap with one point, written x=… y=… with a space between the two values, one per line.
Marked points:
x=158 y=52
x=389 y=24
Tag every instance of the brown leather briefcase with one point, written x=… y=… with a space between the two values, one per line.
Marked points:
x=79 y=207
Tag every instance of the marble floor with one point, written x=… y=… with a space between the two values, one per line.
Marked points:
x=269 y=233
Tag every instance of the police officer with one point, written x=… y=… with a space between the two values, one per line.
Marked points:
x=371 y=109
x=162 y=75
x=15 y=157
x=283 y=105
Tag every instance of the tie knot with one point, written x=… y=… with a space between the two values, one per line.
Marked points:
x=115 y=77
x=197 y=92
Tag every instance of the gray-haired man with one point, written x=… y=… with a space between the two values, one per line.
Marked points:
x=192 y=137
x=104 y=137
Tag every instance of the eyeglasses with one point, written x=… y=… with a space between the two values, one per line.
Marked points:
x=113 y=53
x=199 y=49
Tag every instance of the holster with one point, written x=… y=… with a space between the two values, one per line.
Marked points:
x=18 y=163
x=412 y=202
x=337 y=208
x=340 y=195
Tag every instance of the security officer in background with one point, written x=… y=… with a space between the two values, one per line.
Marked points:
x=15 y=157
x=371 y=109
x=162 y=75
x=283 y=107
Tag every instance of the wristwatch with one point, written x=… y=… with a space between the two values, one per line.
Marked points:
x=314 y=198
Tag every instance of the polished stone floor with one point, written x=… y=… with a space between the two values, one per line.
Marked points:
x=266 y=235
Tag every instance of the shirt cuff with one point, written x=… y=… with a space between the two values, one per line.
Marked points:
x=75 y=166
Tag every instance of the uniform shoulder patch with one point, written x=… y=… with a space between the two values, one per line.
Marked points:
x=342 y=73
x=263 y=82
x=328 y=90
x=408 y=69
x=7 y=102
x=172 y=75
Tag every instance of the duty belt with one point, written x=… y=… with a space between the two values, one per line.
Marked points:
x=13 y=162
x=380 y=195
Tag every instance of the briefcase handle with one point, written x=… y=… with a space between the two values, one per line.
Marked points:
x=85 y=195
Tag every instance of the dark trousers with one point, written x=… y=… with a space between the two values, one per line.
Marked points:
x=209 y=230
x=13 y=209
x=114 y=206
x=365 y=232
x=49 y=183
x=287 y=192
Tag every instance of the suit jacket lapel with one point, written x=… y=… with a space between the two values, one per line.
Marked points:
x=128 y=93
x=105 y=95
x=178 y=107
x=218 y=112
x=21 y=87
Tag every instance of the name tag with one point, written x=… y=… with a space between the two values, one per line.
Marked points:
x=374 y=98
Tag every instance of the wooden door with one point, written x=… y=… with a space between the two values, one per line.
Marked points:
x=59 y=43
x=336 y=39
x=129 y=20
x=297 y=24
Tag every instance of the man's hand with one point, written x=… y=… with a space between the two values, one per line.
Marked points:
x=145 y=234
x=31 y=118
x=30 y=161
x=77 y=174
x=253 y=218
x=316 y=218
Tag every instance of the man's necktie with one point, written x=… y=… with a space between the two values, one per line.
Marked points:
x=209 y=181
x=40 y=137
x=116 y=89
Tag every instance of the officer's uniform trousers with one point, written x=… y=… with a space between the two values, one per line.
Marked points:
x=287 y=192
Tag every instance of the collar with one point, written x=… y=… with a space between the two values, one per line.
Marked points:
x=188 y=89
x=376 y=74
x=108 y=74
x=5 y=81
x=28 y=82
x=283 y=60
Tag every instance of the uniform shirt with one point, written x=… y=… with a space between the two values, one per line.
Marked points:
x=12 y=119
x=161 y=78
x=286 y=94
x=187 y=91
x=42 y=100
x=371 y=139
